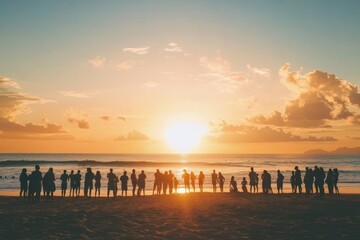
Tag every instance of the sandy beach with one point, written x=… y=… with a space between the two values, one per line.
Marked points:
x=183 y=216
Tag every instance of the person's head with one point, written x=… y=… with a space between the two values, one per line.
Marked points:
x=184 y=170
x=133 y=170
x=244 y=178
x=278 y=171
x=98 y=172
x=125 y=172
x=306 y=168
x=335 y=169
x=220 y=174
x=78 y=171
x=321 y=168
x=157 y=170
x=316 y=167
x=72 y=171
x=111 y=170
x=24 y=170
x=142 y=171
x=88 y=169
x=232 y=178
x=201 y=172
x=51 y=169
x=296 y=168
x=213 y=171
x=37 y=167
x=170 y=171
x=192 y=173
x=330 y=170
x=166 y=172
x=64 y=171
x=252 y=169
x=265 y=171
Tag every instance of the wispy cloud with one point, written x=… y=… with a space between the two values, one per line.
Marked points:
x=5 y=81
x=221 y=73
x=122 y=118
x=139 y=50
x=150 y=84
x=98 y=62
x=76 y=94
x=173 y=47
x=125 y=65
x=77 y=117
x=264 y=72
x=133 y=135
x=105 y=118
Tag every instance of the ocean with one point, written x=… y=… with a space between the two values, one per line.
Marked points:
x=228 y=164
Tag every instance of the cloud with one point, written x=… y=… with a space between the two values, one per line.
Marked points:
x=105 y=118
x=122 y=118
x=173 y=47
x=78 y=118
x=76 y=94
x=126 y=65
x=139 y=50
x=133 y=135
x=221 y=74
x=229 y=133
x=150 y=84
x=322 y=98
x=97 y=62
x=264 y=72
x=13 y=103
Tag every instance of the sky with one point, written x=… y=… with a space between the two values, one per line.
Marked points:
x=179 y=76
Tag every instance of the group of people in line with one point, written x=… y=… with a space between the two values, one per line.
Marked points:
x=166 y=182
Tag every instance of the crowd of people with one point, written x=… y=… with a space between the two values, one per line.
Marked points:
x=166 y=183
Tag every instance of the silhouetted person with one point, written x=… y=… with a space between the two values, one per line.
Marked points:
x=176 y=184
x=49 y=183
x=252 y=177
x=116 y=185
x=201 y=181
x=214 y=180
x=292 y=181
x=221 y=182
x=133 y=181
x=233 y=185
x=72 y=183
x=77 y=182
x=111 y=182
x=316 y=173
x=157 y=182
x=243 y=185
x=64 y=179
x=321 y=181
x=171 y=181
x=141 y=183
x=280 y=182
x=97 y=183
x=88 y=185
x=186 y=177
x=35 y=184
x=257 y=183
x=124 y=183
x=298 y=180
x=165 y=179
x=308 y=180
x=336 y=179
x=330 y=181
x=23 y=183
x=266 y=182
x=192 y=180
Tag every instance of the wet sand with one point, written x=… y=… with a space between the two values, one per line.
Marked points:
x=183 y=216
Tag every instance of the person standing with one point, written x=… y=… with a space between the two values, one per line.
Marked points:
x=157 y=182
x=35 y=184
x=133 y=181
x=88 y=186
x=165 y=183
x=64 y=179
x=49 y=184
x=176 y=184
x=243 y=185
x=201 y=181
x=186 y=177
x=141 y=183
x=252 y=177
x=321 y=181
x=221 y=182
x=124 y=184
x=330 y=181
x=23 y=183
x=171 y=182
x=298 y=180
x=280 y=182
x=214 y=177
x=72 y=183
x=336 y=179
x=111 y=182
x=192 y=180
x=97 y=183
x=77 y=182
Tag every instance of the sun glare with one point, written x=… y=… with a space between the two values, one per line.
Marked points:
x=184 y=136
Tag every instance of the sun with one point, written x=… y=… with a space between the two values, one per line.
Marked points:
x=184 y=136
